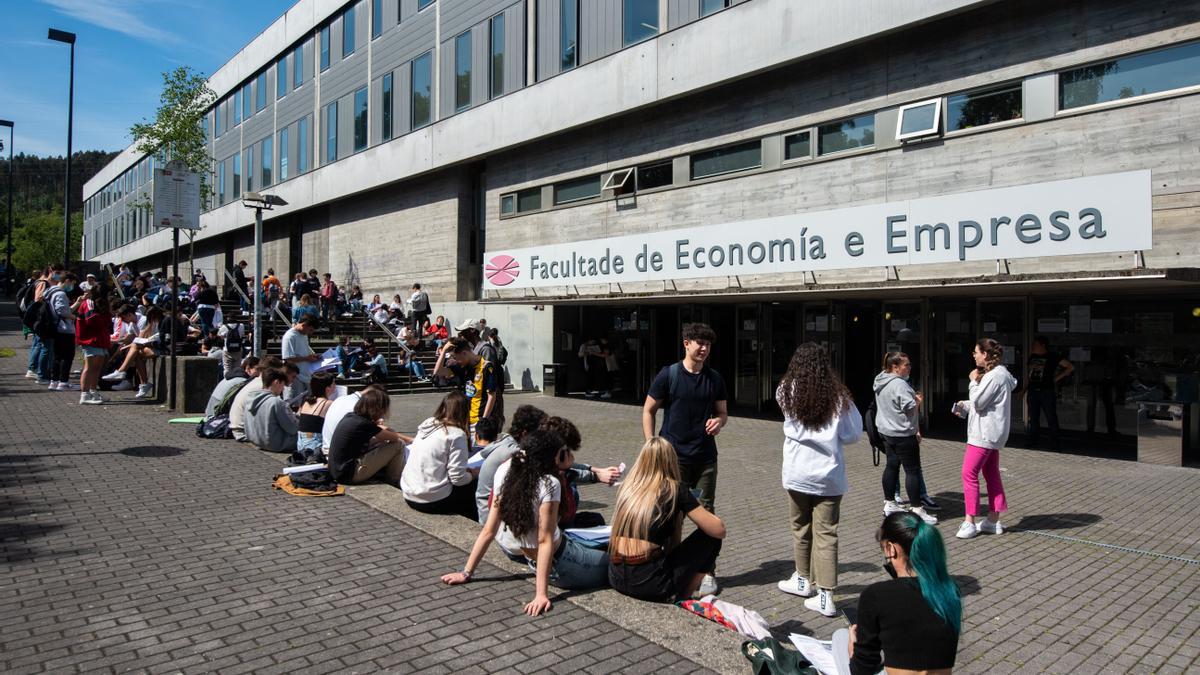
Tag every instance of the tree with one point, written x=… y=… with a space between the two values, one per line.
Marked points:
x=178 y=131
x=38 y=235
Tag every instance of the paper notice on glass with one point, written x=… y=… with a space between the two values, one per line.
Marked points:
x=1052 y=325
x=1101 y=325
x=1010 y=355
x=1080 y=354
x=822 y=323
x=989 y=326
x=818 y=652
x=1080 y=317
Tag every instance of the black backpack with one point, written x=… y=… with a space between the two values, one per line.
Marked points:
x=872 y=431
x=216 y=426
x=233 y=339
x=40 y=319
x=23 y=296
x=501 y=355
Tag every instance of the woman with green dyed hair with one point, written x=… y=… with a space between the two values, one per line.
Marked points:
x=915 y=617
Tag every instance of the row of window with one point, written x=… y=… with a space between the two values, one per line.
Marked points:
x=1159 y=71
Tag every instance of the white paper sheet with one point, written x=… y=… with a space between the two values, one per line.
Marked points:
x=818 y=652
x=597 y=533
x=304 y=469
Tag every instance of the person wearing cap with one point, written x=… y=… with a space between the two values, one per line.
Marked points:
x=88 y=282
x=478 y=378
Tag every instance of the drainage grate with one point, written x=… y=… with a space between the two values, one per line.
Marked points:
x=1112 y=547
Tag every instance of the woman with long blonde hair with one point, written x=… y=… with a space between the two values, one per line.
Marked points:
x=647 y=560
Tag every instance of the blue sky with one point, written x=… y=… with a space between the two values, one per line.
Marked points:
x=122 y=49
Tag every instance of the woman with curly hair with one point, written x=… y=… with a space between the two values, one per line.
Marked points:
x=525 y=517
x=647 y=559
x=988 y=411
x=819 y=419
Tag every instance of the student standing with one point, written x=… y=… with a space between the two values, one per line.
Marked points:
x=693 y=399
x=897 y=407
x=59 y=303
x=480 y=382
x=819 y=420
x=1044 y=370
x=93 y=334
x=988 y=411
x=296 y=349
x=419 y=302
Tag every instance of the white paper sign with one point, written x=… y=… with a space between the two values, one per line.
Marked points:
x=1080 y=354
x=1096 y=214
x=989 y=326
x=1052 y=325
x=176 y=198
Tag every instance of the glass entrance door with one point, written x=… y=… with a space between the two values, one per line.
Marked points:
x=903 y=331
x=747 y=382
x=951 y=340
x=1004 y=321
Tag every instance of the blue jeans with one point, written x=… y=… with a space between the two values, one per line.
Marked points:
x=416 y=368
x=45 y=362
x=577 y=567
x=35 y=352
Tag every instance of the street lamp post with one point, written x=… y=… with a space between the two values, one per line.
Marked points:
x=68 y=38
x=260 y=203
x=8 y=273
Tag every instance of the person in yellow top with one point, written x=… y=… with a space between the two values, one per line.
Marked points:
x=477 y=378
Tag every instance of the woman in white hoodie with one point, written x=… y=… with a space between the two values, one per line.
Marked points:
x=436 y=478
x=819 y=419
x=988 y=412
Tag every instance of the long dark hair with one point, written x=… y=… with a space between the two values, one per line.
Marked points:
x=811 y=392
x=317 y=386
x=536 y=463
x=927 y=558
x=993 y=352
x=453 y=412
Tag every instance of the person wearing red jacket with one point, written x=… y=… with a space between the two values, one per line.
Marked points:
x=438 y=331
x=93 y=334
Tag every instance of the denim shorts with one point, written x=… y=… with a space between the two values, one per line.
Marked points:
x=90 y=351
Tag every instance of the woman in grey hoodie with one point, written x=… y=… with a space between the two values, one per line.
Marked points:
x=988 y=412
x=897 y=407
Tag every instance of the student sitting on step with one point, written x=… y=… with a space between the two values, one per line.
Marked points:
x=436 y=478
x=270 y=423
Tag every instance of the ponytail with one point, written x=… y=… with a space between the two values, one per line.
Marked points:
x=927 y=558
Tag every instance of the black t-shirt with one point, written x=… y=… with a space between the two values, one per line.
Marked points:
x=1042 y=368
x=349 y=443
x=685 y=413
x=894 y=618
x=662 y=526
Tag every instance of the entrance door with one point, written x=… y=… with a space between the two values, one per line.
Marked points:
x=747 y=350
x=785 y=323
x=863 y=350
x=1004 y=321
x=951 y=341
x=903 y=331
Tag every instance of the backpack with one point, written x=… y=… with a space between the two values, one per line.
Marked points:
x=673 y=375
x=40 y=319
x=233 y=338
x=24 y=295
x=872 y=431
x=502 y=355
x=216 y=426
x=226 y=403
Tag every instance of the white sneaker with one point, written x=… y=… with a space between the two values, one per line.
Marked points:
x=29 y=375
x=90 y=398
x=920 y=511
x=967 y=530
x=988 y=527
x=798 y=585
x=123 y=385
x=890 y=507
x=114 y=376
x=53 y=385
x=68 y=386
x=822 y=603
x=708 y=586
x=144 y=391
x=96 y=395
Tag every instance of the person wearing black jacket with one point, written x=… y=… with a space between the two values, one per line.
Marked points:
x=207 y=302
x=240 y=280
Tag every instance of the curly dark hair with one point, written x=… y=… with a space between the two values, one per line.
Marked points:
x=536 y=462
x=525 y=419
x=811 y=392
x=565 y=428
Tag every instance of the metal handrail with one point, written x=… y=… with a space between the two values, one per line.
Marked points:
x=116 y=283
x=408 y=352
x=241 y=291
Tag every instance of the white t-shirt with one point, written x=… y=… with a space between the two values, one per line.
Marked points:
x=341 y=406
x=549 y=490
x=295 y=344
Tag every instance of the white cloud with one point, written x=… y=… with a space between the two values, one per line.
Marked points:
x=115 y=15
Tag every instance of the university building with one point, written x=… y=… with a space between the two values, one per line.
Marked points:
x=872 y=175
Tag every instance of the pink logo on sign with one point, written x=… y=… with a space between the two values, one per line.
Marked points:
x=502 y=270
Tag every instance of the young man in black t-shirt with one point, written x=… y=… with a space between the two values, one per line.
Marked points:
x=692 y=397
x=1045 y=369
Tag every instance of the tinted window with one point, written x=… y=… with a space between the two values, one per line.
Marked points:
x=507 y=204
x=653 y=176
x=281 y=87
x=641 y=20
x=360 y=119
x=298 y=67
x=731 y=158
x=348 y=32
x=1137 y=75
x=797 y=146
x=529 y=200
x=568 y=33
x=302 y=156
x=980 y=108
x=709 y=6
x=577 y=189
x=266 y=161
x=422 y=74
x=325 y=48
x=386 y=112
x=497 y=54
x=283 y=154
x=462 y=71
x=331 y=111
x=376 y=18
x=846 y=135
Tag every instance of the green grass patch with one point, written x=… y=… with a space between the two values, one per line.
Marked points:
x=5 y=352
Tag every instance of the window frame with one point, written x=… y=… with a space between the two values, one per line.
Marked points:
x=237 y=175
x=1137 y=98
x=692 y=160
x=362 y=119
x=281 y=139
x=462 y=76
x=376 y=18
x=625 y=25
x=298 y=67
x=843 y=120
x=496 y=76
x=323 y=47
x=580 y=180
x=303 y=145
x=424 y=4
x=562 y=34
x=700 y=8
x=412 y=92
x=935 y=130
x=812 y=147
x=511 y=198
x=991 y=89
x=529 y=192
x=387 y=107
x=281 y=79
x=266 y=161
x=331 y=133
x=612 y=182
x=349 y=32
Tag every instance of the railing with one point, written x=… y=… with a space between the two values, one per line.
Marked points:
x=116 y=283
x=250 y=303
x=395 y=339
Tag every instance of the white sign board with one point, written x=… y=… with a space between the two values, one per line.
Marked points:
x=176 y=198
x=1096 y=214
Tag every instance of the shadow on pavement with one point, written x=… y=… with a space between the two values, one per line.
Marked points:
x=1055 y=521
x=772 y=570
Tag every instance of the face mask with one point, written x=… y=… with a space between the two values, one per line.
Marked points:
x=68 y=287
x=56 y=276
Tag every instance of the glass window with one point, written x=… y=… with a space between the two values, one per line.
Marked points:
x=568 y=33
x=237 y=107
x=376 y=18
x=641 y=20
x=983 y=107
x=846 y=135
x=237 y=175
x=1137 y=75
x=348 y=32
x=462 y=71
x=324 y=48
x=728 y=159
x=281 y=80
x=298 y=66
x=919 y=119
x=360 y=119
x=508 y=205
x=797 y=146
x=217 y=119
x=577 y=189
x=709 y=6
x=422 y=91
x=283 y=154
x=386 y=112
x=248 y=158
x=331 y=111
x=422 y=4
x=529 y=200
x=220 y=183
x=496 y=87
x=302 y=156
x=267 y=160
x=247 y=102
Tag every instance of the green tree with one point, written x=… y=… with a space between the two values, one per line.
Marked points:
x=38 y=235
x=178 y=130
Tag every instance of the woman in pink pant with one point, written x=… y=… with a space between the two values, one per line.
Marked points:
x=988 y=411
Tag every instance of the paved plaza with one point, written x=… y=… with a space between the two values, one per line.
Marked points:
x=129 y=544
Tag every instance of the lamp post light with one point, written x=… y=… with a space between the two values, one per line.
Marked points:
x=259 y=202
x=8 y=273
x=68 y=38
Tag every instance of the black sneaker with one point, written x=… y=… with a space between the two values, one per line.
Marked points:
x=929 y=504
